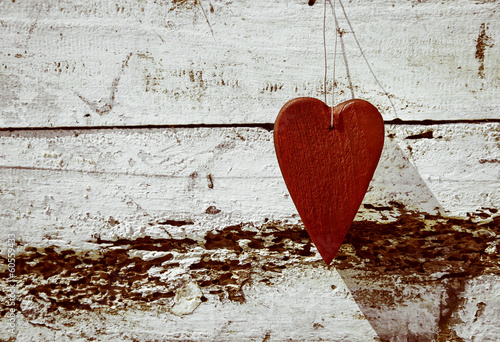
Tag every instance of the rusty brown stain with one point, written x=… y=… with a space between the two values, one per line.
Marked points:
x=480 y=310
x=490 y=161
x=483 y=41
x=317 y=326
x=432 y=251
x=210 y=181
x=399 y=246
x=270 y=87
x=183 y=4
x=222 y=278
x=155 y=78
x=212 y=210
x=175 y=223
x=415 y=247
x=452 y=302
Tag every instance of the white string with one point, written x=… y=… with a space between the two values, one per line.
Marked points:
x=326 y=63
x=324 y=50
x=366 y=60
x=334 y=60
x=339 y=33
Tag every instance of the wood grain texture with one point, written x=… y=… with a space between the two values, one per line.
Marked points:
x=96 y=63
x=266 y=281
x=190 y=234
x=327 y=169
x=164 y=208
x=85 y=179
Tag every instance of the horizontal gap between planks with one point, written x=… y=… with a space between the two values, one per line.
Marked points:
x=266 y=126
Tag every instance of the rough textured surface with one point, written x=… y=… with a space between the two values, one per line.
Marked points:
x=187 y=233
x=129 y=62
x=412 y=277
x=115 y=182
x=407 y=276
x=114 y=224
x=114 y=231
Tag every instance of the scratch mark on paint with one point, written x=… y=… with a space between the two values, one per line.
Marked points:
x=426 y=135
x=210 y=181
x=206 y=17
x=175 y=223
x=104 y=106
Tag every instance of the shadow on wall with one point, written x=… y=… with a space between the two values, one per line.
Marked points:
x=409 y=276
x=397 y=180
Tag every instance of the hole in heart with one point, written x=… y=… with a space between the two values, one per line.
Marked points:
x=331 y=128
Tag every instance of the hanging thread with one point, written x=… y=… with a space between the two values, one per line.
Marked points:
x=334 y=60
x=324 y=49
x=326 y=62
x=366 y=60
x=339 y=35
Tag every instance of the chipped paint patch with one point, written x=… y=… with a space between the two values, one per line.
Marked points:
x=187 y=299
x=418 y=260
x=483 y=41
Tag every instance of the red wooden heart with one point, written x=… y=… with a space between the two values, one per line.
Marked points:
x=328 y=170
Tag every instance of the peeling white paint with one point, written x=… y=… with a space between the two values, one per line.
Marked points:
x=187 y=299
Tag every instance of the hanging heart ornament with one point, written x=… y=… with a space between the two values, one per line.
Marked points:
x=327 y=169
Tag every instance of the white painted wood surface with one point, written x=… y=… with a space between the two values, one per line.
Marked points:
x=70 y=189
x=283 y=312
x=80 y=179
x=217 y=194
x=82 y=63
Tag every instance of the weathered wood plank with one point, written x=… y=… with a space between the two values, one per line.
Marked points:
x=460 y=168
x=65 y=186
x=428 y=278
x=98 y=63
x=138 y=235
x=290 y=304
